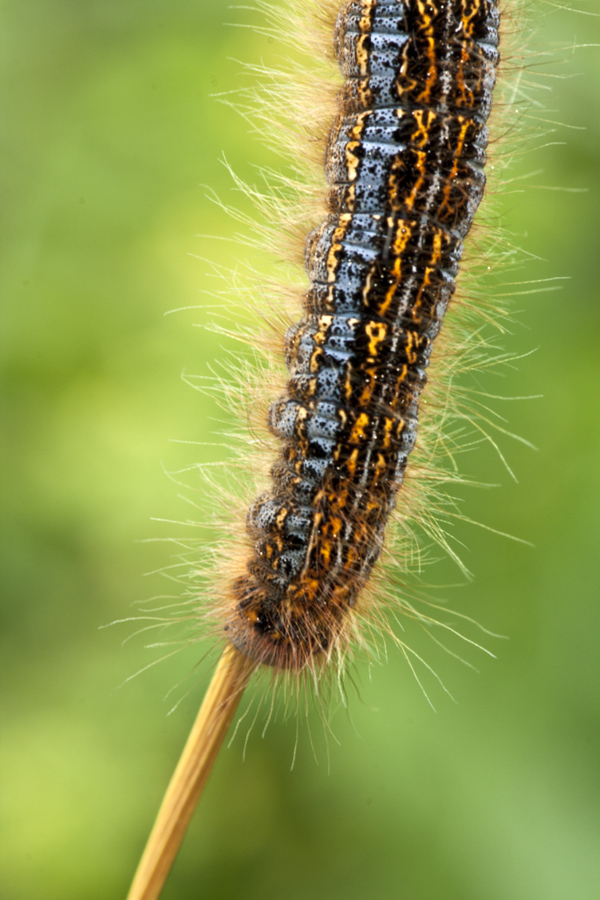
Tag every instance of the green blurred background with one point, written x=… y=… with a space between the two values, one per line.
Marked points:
x=110 y=132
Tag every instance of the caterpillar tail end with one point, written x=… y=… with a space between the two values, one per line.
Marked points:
x=191 y=775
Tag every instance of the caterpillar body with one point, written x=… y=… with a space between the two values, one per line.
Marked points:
x=404 y=162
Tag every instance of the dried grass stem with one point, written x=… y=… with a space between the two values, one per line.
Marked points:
x=192 y=772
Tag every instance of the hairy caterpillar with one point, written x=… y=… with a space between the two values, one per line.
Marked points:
x=404 y=163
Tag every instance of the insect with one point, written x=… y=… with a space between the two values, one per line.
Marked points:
x=404 y=164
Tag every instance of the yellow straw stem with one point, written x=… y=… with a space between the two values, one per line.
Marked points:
x=192 y=772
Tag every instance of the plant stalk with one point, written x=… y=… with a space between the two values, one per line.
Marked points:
x=193 y=769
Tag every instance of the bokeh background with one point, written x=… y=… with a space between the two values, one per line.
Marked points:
x=110 y=135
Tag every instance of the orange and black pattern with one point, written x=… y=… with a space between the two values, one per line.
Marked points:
x=404 y=163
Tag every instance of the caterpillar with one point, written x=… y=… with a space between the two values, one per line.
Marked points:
x=404 y=163
x=405 y=166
